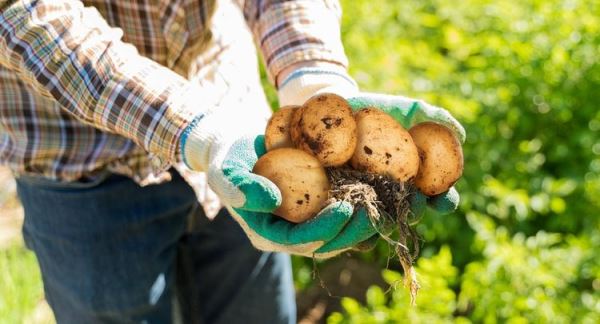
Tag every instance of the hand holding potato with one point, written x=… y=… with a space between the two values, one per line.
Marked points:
x=374 y=114
x=300 y=178
x=388 y=162
x=410 y=112
x=372 y=163
x=333 y=229
x=306 y=82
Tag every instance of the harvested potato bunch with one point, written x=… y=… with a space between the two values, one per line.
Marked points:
x=441 y=157
x=277 y=134
x=325 y=128
x=300 y=178
x=386 y=163
x=384 y=146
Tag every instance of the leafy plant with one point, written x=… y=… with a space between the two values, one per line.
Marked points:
x=437 y=301
x=523 y=78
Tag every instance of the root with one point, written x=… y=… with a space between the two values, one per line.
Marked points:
x=386 y=203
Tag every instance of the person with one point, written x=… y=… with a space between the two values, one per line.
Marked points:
x=128 y=123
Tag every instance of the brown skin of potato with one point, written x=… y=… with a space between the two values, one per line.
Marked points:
x=441 y=158
x=325 y=129
x=277 y=133
x=384 y=146
x=294 y=125
x=300 y=178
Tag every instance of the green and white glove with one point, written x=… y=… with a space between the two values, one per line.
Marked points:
x=226 y=145
x=303 y=83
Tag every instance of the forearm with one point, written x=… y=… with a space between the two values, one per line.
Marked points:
x=296 y=32
x=69 y=53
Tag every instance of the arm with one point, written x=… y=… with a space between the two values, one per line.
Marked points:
x=69 y=53
x=300 y=33
x=297 y=35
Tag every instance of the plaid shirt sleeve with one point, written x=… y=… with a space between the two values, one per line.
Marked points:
x=294 y=31
x=68 y=52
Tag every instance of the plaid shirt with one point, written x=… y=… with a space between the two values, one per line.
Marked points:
x=97 y=84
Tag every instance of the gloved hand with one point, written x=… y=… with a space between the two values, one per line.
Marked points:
x=223 y=145
x=409 y=112
x=303 y=83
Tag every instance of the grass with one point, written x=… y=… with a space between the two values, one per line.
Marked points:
x=21 y=290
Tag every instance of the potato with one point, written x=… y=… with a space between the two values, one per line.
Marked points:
x=441 y=157
x=384 y=146
x=277 y=133
x=326 y=129
x=300 y=178
x=294 y=127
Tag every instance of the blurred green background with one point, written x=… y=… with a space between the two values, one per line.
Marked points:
x=524 y=79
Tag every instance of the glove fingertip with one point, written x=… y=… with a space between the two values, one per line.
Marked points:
x=261 y=194
x=454 y=125
x=445 y=203
x=462 y=134
x=418 y=203
x=259 y=145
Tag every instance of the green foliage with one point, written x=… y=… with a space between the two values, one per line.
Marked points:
x=20 y=284
x=524 y=78
x=540 y=278
x=437 y=301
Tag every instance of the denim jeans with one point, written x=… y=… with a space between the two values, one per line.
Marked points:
x=113 y=252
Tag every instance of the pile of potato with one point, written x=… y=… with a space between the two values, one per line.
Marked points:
x=324 y=132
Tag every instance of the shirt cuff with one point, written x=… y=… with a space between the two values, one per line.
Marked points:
x=304 y=83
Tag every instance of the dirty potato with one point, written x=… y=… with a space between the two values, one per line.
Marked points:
x=300 y=178
x=441 y=157
x=384 y=146
x=277 y=133
x=326 y=129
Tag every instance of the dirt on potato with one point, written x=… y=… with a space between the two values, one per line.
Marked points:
x=325 y=128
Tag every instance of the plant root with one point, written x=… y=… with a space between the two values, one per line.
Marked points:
x=387 y=205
